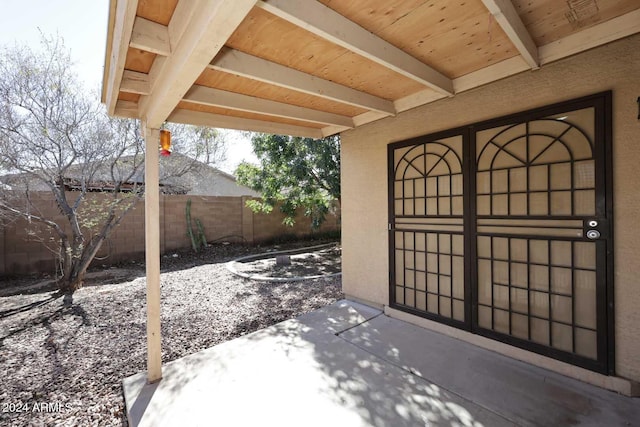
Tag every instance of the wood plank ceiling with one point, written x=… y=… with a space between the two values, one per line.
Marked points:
x=316 y=68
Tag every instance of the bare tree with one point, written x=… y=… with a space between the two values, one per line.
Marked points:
x=55 y=137
x=201 y=143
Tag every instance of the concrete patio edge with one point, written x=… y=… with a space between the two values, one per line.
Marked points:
x=617 y=384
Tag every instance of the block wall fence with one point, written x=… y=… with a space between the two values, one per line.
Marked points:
x=30 y=248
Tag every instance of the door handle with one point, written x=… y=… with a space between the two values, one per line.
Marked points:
x=596 y=228
x=593 y=234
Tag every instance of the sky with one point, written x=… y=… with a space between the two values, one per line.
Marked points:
x=83 y=26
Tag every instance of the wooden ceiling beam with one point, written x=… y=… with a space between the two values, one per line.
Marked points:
x=219 y=98
x=134 y=82
x=210 y=25
x=324 y=22
x=490 y=74
x=501 y=70
x=127 y=109
x=252 y=67
x=199 y=118
x=151 y=37
x=180 y=20
x=606 y=32
x=177 y=26
x=125 y=13
x=507 y=17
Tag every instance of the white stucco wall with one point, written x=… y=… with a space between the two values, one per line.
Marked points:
x=613 y=67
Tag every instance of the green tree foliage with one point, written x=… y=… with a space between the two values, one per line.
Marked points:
x=296 y=173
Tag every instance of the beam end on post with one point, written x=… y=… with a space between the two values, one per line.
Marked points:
x=152 y=252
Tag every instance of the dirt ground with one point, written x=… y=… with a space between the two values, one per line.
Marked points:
x=321 y=261
x=63 y=363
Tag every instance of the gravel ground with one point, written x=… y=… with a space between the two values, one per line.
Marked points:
x=62 y=364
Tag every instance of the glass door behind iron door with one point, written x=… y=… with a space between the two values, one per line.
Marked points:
x=542 y=232
x=427 y=232
x=504 y=228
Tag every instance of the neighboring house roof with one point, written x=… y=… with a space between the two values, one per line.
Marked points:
x=179 y=174
x=205 y=180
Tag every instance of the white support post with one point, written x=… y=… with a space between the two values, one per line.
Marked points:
x=152 y=253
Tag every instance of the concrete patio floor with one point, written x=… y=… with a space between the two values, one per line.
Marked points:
x=350 y=365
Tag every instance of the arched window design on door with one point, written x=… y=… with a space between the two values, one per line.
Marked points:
x=428 y=179
x=428 y=228
x=537 y=168
x=536 y=273
x=526 y=258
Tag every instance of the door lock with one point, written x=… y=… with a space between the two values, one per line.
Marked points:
x=593 y=234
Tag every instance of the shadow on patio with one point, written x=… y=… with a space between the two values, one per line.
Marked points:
x=347 y=364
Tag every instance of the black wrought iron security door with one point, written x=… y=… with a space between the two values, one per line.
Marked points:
x=427 y=232
x=503 y=228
